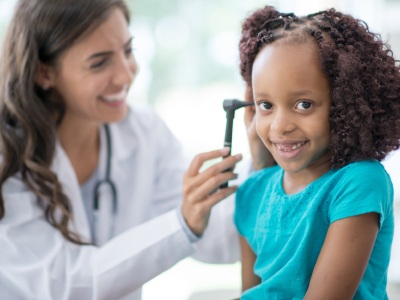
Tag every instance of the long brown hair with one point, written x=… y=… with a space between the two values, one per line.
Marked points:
x=40 y=32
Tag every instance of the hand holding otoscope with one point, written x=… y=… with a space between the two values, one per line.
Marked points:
x=230 y=106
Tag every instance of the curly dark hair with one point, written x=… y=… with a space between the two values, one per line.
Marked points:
x=363 y=76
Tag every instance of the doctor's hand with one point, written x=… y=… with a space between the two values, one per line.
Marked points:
x=200 y=190
x=261 y=156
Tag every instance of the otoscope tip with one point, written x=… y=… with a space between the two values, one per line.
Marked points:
x=248 y=103
x=234 y=104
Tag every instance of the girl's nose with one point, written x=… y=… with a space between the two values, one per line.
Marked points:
x=282 y=122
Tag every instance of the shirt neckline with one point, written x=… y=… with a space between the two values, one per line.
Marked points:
x=303 y=191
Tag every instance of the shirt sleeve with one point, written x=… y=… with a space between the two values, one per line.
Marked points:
x=219 y=242
x=365 y=187
x=191 y=236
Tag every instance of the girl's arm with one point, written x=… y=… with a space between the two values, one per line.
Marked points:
x=343 y=258
x=249 y=279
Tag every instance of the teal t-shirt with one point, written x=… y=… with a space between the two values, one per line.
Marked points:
x=287 y=232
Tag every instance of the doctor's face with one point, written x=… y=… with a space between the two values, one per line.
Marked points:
x=94 y=75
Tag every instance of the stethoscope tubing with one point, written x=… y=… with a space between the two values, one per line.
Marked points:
x=107 y=179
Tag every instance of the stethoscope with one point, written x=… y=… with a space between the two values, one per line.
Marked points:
x=106 y=182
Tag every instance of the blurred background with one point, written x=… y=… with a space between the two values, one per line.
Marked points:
x=188 y=57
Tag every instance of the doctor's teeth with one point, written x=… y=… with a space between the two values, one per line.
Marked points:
x=112 y=99
x=115 y=97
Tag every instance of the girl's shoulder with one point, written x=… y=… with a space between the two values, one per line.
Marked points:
x=358 y=188
x=361 y=178
x=367 y=171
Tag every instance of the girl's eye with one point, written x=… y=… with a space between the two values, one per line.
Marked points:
x=264 y=105
x=303 y=105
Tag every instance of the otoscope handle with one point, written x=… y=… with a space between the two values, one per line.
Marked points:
x=230 y=105
x=230 y=115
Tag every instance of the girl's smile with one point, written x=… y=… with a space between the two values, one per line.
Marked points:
x=289 y=150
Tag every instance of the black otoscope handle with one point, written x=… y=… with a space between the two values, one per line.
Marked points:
x=230 y=115
x=230 y=105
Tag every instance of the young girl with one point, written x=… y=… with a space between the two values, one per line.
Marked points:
x=94 y=199
x=319 y=224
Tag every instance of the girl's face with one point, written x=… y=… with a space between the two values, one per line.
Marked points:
x=292 y=99
x=93 y=76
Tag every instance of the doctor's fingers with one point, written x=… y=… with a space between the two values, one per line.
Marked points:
x=197 y=213
x=201 y=158
x=220 y=195
x=209 y=188
x=193 y=181
x=218 y=173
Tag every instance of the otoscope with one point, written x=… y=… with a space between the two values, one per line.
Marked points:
x=230 y=105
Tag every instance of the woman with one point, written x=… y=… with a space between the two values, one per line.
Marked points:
x=91 y=188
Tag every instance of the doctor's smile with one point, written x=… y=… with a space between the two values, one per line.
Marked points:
x=116 y=99
x=115 y=201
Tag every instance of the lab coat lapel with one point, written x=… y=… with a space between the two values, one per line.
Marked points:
x=104 y=218
x=124 y=139
x=124 y=144
x=69 y=182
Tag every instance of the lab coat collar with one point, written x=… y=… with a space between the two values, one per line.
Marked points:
x=122 y=147
x=61 y=166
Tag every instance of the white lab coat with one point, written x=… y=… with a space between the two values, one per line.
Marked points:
x=36 y=262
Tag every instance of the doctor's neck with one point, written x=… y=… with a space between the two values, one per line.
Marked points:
x=81 y=143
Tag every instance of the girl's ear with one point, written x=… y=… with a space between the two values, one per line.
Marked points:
x=45 y=76
x=248 y=93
